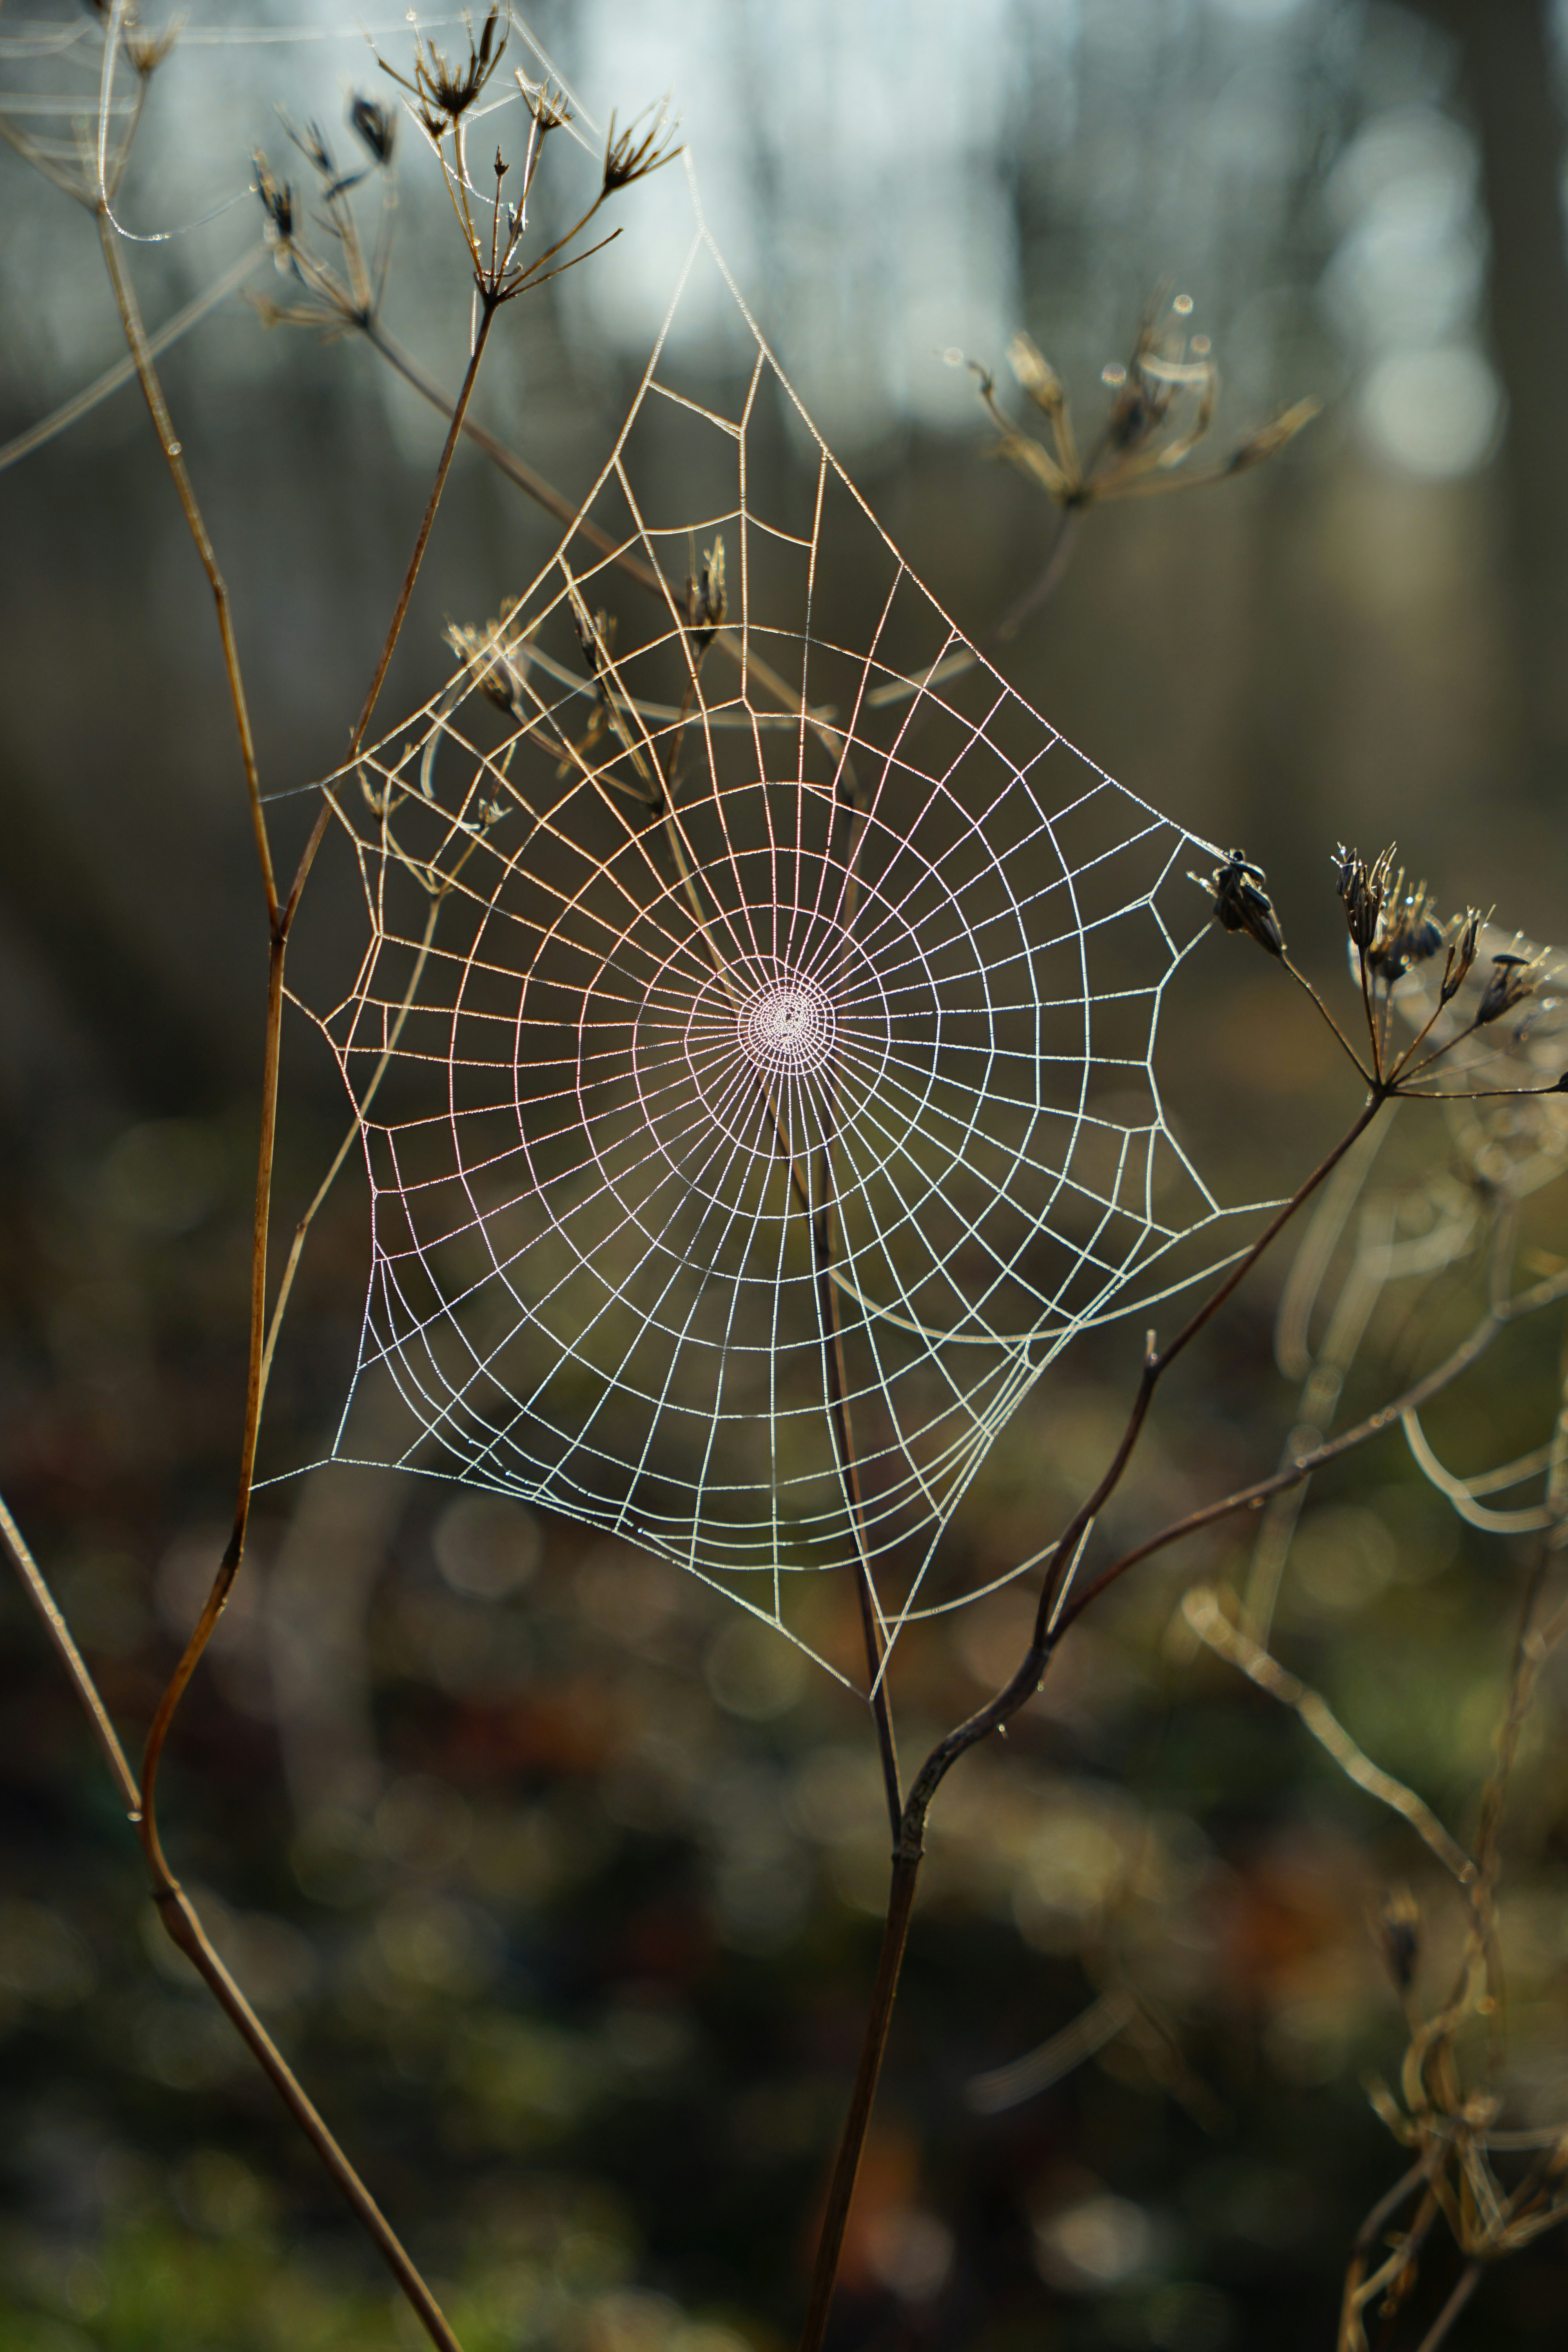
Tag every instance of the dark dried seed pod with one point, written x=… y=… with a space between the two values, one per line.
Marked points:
x=1241 y=903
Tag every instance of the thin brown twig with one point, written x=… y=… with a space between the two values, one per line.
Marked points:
x=70 y=1657
x=184 y=1928
x=862 y=2097
x=179 y=1917
x=355 y=1129
x=1252 y=1497
x=910 y=1842
x=1469 y=2280
x=488 y=307
x=169 y=442
x=534 y=484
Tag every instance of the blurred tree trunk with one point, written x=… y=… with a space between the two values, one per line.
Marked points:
x=1509 y=81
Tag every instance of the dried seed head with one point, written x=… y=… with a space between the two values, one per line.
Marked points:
x=1462 y=954
x=1036 y=376
x=1513 y=978
x=546 y=103
x=1362 y=890
x=1399 y=1936
x=1269 y=439
x=1240 y=902
x=146 y=51
x=629 y=158
x=278 y=205
x=496 y=656
x=1408 y=932
x=376 y=126
x=445 y=92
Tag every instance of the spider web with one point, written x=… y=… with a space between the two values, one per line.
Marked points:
x=753 y=1047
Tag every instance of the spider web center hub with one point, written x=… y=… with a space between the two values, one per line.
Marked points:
x=788 y=1027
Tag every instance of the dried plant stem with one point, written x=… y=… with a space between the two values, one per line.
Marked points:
x=184 y=1928
x=175 y=1909
x=261 y=1340
x=873 y=2044
x=1359 y=2290
x=544 y=494
x=1469 y=2280
x=488 y=307
x=169 y=442
x=1059 y=552
x=352 y=1136
x=70 y=1657
x=909 y=1834
x=1251 y=1498
x=1202 y=1613
x=849 y=1480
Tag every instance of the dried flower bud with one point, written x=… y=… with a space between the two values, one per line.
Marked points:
x=1461 y=955
x=1399 y=1936
x=1269 y=439
x=1241 y=903
x=1036 y=376
x=1408 y=932
x=376 y=126
x=629 y=158
x=545 y=102
x=705 y=601
x=277 y=203
x=1513 y=978
x=496 y=656
x=445 y=92
x=1362 y=890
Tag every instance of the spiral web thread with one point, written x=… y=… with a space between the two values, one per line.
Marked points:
x=747 y=1012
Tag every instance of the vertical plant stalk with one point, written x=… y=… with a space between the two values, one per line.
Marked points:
x=260 y=1358
x=355 y=1128
x=1469 y=2280
x=849 y=1480
x=175 y=1909
x=820 y=1220
x=174 y=456
x=75 y=1664
x=909 y=1834
x=184 y=1928
x=862 y=2097
x=489 y=306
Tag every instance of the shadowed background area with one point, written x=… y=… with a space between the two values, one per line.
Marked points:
x=559 y=1881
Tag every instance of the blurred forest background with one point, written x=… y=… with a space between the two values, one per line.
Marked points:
x=559 y=1883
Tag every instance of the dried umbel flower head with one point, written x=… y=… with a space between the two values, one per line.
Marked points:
x=1240 y=902
x=443 y=93
x=1407 y=933
x=1362 y=889
x=628 y=159
x=1461 y=953
x=1513 y=978
x=1162 y=406
x=376 y=126
x=545 y=102
x=278 y=209
x=496 y=656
